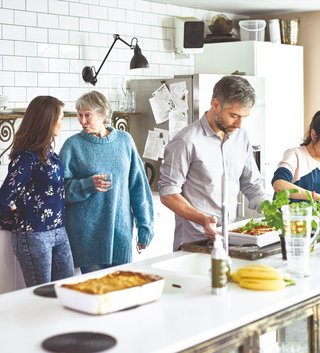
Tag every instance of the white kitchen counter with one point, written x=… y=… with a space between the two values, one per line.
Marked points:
x=174 y=322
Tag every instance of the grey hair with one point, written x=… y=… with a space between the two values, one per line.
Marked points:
x=96 y=101
x=234 y=89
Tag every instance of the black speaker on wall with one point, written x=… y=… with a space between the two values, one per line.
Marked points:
x=193 y=34
x=189 y=35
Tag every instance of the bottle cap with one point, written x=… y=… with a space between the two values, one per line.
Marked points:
x=218 y=242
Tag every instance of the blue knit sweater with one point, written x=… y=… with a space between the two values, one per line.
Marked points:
x=100 y=224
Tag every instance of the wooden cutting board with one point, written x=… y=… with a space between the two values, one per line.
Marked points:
x=246 y=252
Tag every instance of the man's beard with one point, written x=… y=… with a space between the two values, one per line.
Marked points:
x=222 y=127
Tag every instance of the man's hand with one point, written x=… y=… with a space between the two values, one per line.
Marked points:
x=210 y=227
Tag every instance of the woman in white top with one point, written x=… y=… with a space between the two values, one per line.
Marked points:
x=300 y=166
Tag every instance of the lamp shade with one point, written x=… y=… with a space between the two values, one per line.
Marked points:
x=138 y=61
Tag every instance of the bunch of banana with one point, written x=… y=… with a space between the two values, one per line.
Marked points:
x=260 y=277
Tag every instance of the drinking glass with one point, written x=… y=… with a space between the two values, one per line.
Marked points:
x=107 y=177
x=297 y=220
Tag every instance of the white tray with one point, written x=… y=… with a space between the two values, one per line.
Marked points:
x=243 y=239
x=111 y=301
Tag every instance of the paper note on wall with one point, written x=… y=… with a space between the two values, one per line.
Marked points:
x=161 y=103
x=177 y=120
x=179 y=94
x=155 y=144
x=158 y=116
x=163 y=136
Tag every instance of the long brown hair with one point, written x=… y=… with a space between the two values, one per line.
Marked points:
x=36 y=131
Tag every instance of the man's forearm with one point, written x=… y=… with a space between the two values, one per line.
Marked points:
x=182 y=207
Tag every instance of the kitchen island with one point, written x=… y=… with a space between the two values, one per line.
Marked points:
x=186 y=316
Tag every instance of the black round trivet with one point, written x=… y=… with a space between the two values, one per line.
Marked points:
x=79 y=342
x=47 y=291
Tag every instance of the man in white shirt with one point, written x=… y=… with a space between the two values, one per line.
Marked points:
x=190 y=183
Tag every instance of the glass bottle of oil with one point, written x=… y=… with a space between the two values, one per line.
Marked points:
x=219 y=267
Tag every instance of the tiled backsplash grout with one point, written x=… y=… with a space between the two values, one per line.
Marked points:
x=44 y=44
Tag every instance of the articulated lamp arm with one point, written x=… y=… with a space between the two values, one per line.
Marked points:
x=89 y=74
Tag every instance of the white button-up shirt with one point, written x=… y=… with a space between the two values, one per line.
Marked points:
x=193 y=167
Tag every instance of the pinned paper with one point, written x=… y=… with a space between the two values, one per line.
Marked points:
x=164 y=139
x=179 y=94
x=177 y=120
x=162 y=103
x=155 y=144
x=159 y=117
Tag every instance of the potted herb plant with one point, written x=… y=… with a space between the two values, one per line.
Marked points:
x=273 y=215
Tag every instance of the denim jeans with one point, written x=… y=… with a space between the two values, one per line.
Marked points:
x=43 y=256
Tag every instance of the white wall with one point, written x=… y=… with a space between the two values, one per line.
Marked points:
x=44 y=45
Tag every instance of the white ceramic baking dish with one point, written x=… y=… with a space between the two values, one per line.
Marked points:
x=99 y=304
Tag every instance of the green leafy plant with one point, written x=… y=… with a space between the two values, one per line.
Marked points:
x=315 y=205
x=272 y=209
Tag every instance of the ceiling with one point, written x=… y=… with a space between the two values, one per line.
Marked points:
x=249 y=7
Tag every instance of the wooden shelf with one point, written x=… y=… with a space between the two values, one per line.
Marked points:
x=121 y=120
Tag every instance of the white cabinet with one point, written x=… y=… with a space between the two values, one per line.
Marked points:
x=282 y=68
x=162 y=242
x=10 y=272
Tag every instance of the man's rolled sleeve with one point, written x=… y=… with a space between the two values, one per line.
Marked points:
x=174 y=168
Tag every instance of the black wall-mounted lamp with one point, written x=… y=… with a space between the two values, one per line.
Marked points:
x=89 y=74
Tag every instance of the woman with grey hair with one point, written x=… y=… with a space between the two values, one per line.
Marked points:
x=100 y=213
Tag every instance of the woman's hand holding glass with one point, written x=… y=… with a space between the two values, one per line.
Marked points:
x=102 y=181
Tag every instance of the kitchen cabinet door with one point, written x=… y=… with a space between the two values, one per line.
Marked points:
x=282 y=68
x=10 y=272
x=162 y=242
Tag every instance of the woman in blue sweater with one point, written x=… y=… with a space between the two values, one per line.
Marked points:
x=32 y=196
x=100 y=219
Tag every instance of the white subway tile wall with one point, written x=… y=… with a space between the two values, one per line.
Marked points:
x=44 y=45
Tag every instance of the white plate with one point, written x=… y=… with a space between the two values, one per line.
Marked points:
x=98 y=304
x=243 y=239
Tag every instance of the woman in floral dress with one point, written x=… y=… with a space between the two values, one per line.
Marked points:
x=32 y=196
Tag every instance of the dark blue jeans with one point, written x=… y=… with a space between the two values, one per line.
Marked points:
x=43 y=256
